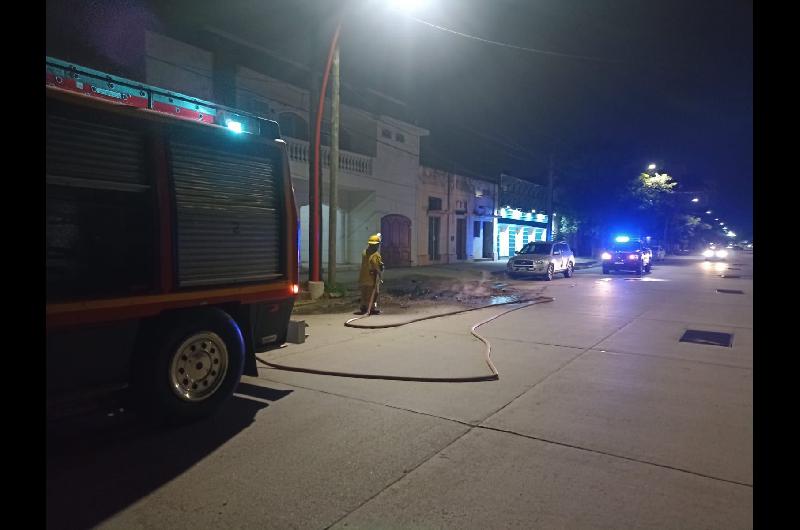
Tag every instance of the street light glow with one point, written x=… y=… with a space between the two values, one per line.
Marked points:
x=708 y=211
x=407 y=5
x=695 y=200
x=651 y=167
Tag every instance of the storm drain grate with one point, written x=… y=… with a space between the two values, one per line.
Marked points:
x=712 y=338
x=729 y=276
x=730 y=291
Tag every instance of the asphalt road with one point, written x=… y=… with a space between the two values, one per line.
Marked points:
x=601 y=418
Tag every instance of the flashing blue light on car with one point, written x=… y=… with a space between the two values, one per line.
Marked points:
x=622 y=239
x=234 y=126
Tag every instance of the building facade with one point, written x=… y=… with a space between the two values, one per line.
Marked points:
x=455 y=216
x=379 y=154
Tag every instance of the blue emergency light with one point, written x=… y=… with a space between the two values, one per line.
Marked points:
x=622 y=239
x=234 y=126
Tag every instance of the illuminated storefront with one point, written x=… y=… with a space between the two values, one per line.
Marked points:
x=522 y=217
x=516 y=228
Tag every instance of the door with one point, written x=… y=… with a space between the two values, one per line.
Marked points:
x=461 y=238
x=487 y=239
x=558 y=257
x=433 y=238
x=396 y=240
x=564 y=256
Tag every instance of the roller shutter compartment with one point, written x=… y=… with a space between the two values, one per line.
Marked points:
x=98 y=210
x=228 y=208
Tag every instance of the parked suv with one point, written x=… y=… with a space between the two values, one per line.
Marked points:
x=627 y=254
x=540 y=258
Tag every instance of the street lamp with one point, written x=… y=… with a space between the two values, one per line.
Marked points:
x=651 y=167
x=708 y=212
x=695 y=200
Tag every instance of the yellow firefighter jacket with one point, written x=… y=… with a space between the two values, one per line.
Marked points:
x=371 y=264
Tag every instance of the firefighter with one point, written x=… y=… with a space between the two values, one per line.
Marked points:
x=369 y=276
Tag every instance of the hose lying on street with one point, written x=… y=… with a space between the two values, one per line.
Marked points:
x=493 y=376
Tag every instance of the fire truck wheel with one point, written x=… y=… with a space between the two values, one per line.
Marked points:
x=191 y=365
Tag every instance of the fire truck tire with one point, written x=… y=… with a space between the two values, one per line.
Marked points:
x=189 y=365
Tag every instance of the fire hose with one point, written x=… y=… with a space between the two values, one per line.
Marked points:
x=493 y=376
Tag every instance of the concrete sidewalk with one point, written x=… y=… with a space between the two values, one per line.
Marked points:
x=347 y=275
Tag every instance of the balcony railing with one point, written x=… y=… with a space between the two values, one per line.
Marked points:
x=348 y=161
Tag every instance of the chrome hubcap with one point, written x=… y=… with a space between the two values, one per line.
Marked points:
x=198 y=366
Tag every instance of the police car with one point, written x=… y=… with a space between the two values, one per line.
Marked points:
x=627 y=254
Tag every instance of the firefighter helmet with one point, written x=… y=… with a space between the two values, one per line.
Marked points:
x=375 y=239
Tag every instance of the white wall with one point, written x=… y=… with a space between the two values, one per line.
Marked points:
x=342 y=242
x=363 y=221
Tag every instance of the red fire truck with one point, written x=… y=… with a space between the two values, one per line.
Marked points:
x=172 y=241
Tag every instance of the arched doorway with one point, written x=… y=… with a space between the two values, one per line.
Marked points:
x=396 y=240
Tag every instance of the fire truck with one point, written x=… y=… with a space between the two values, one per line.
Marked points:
x=172 y=241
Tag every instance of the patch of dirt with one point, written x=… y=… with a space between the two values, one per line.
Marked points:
x=419 y=291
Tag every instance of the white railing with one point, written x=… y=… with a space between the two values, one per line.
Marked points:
x=348 y=161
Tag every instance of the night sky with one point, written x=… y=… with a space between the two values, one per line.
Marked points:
x=666 y=81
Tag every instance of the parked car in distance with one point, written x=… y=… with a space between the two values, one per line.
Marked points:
x=627 y=254
x=658 y=253
x=542 y=258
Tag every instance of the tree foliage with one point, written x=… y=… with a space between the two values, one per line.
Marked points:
x=652 y=191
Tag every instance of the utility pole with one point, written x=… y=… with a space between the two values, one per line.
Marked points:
x=314 y=206
x=334 y=173
x=549 y=234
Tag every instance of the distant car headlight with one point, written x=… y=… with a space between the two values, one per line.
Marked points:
x=633 y=256
x=721 y=253
x=605 y=255
x=708 y=253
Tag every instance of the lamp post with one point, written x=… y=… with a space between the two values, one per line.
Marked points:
x=315 y=184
